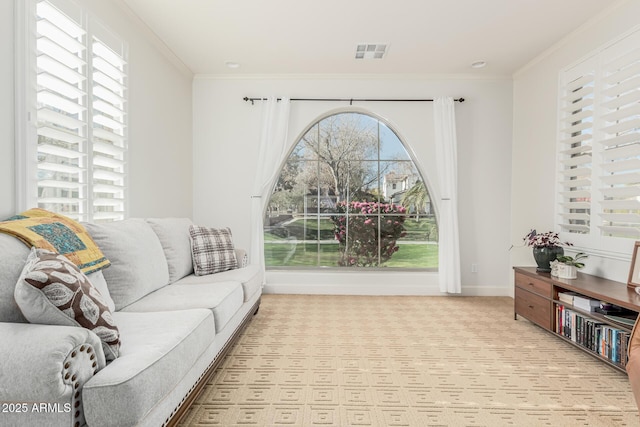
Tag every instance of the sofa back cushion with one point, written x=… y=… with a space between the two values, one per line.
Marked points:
x=13 y=255
x=138 y=265
x=174 y=238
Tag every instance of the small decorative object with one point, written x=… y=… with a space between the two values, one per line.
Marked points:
x=546 y=248
x=554 y=267
x=568 y=265
x=634 y=271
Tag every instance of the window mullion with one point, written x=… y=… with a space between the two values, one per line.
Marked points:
x=597 y=170
x=89 y=197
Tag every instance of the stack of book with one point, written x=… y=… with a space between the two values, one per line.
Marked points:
x=599 y=337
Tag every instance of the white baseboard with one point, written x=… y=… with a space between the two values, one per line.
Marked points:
x=367 y=283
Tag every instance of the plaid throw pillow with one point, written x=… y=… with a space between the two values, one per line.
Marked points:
x=212 y=250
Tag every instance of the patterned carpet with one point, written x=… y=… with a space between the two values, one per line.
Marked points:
x=407 y=361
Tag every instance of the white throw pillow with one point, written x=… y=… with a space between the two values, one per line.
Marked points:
x=53 y=291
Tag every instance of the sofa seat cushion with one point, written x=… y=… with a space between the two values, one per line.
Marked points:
x=157 y=350
x=224 y=299
x=250 y=277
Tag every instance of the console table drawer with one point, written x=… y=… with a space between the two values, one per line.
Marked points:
x=534 y=285
x=533 y=307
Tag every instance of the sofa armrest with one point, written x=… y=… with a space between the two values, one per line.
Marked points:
x=242 y=257
x=44 y=363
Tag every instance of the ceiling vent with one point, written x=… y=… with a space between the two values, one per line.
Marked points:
x=371 y=50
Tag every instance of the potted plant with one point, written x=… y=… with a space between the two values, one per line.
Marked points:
x=546 y=248
x=568 y=265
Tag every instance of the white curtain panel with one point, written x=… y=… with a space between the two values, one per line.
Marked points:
x=273 y=149
x=447 y=155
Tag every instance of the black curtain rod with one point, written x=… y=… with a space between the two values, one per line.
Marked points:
x=350 y=100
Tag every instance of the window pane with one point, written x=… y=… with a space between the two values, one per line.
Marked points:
x=391 y=147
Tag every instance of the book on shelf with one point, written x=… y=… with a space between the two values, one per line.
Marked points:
x=566 y=297
x=625 y=319
x=586 y=304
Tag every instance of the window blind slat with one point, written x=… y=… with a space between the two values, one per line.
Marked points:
x=621 y=192
x=54 y=84
x=50 y=65
x=49 y=98
x=107 y=188
x=59 y=184
x=623 y=126
x=55 y=150
x=622 y=139
x=633 y=205
x=575 y=227
x=579 y=82
x=621 y=152
x=59 y=167
x=621 y=165
x=583 y=159
x=576 y=183
x=622 y=178
x=49 y=30
x=108 y=136
x=110 y=149
x=60 y=135
x=618 y=231
x=577 y=172
x=631 y=84
x=62 y=55
x=624 y=113
x=107 y=162
x=46 y=115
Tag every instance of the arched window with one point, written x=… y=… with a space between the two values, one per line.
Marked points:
x=349 y=195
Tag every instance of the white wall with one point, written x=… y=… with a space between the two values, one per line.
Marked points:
x=226 y=132
x=534 y=134
x=159 y=117
x=7 y=182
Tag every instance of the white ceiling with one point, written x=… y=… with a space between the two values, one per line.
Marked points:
x=320 y=37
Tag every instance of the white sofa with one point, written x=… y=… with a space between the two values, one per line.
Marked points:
x=174 y=329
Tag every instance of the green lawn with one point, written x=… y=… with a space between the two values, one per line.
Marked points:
x=284 y=246
x=306 y=254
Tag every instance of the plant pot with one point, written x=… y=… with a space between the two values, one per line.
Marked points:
x=544 y=255
x=567 y=271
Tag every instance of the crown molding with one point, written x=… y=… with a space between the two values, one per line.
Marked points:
x=399 y=76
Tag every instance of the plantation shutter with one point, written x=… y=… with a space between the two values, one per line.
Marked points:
x=108 y=142
x=620 y=142
x=576 y=150
x=81 y=115
x=61 y=113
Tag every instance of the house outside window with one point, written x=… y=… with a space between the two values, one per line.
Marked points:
x=349 y=195
x=73 y=138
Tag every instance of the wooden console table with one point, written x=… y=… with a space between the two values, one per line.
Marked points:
x=536 y=299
